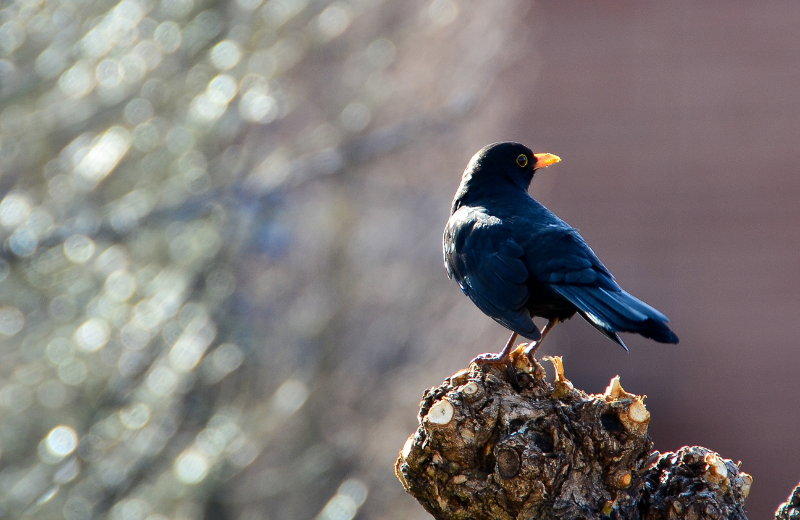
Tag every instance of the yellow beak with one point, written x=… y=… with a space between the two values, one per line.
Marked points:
x=543 y=160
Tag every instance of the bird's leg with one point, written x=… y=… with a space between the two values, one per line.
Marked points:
x=503 y=358
x=530 y=350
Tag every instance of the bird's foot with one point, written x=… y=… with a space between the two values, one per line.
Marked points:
x=492 y=359
x=524 y=356
x=503 y=358
x=527 y=363
x=503 y=362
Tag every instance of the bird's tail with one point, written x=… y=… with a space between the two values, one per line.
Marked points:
x=612 y=311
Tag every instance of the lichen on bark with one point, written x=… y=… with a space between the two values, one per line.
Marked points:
x=492 y=445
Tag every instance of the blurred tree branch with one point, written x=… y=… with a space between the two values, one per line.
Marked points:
x=181 y=186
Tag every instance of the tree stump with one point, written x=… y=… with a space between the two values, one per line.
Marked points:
x=493 y=444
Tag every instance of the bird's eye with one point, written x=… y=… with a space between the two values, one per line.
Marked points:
x=522 y=160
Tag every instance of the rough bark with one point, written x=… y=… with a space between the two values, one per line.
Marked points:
x=494 y=445
x=790 y=510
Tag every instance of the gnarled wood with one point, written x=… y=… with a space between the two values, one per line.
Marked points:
x=790 y=510
x=488 y=447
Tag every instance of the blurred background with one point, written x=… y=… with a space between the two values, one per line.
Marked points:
x=221 y=285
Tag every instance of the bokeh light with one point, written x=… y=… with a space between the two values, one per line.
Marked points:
x=11 y=321
x=61 y=441
x=191 y=467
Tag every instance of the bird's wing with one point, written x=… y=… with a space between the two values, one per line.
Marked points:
x=572 y=270
x=560 y=255
x=487 y=263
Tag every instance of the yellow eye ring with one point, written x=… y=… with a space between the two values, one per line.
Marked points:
x=522 y=160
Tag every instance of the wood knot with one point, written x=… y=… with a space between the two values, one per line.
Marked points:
x=441 y=413
x=508 y=464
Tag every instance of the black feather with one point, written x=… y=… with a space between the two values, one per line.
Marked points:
x=516 y=260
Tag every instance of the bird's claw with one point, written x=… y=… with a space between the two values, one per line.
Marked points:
x=491 y=359
x=523 y=358
x=502 y=361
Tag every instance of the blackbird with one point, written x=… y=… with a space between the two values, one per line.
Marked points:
x=516 y=259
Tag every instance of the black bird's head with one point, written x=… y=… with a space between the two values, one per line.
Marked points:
x=497 y=164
